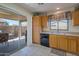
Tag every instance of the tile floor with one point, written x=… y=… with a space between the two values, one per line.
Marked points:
x=38 y=50
x=34 y=50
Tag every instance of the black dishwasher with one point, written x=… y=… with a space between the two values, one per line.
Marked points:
x=44 y=40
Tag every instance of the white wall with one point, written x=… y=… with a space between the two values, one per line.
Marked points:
x=29 y=30
x=24 y=12
x=73 y=28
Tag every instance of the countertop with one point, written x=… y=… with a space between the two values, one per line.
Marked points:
x=63 y=33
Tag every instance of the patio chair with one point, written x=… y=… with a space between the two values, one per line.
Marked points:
x=4 y=38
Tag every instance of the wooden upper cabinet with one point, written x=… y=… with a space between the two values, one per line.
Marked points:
x=75 y=18
x=36 y=29
x=44 y=22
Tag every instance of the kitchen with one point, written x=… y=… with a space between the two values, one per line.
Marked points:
x=59 y=30
x=52 y=29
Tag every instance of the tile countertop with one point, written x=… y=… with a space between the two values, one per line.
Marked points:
x=63 y=33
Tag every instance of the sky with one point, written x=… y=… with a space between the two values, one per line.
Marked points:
x=12 y=22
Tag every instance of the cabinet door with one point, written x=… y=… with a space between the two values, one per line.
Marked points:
x=78 y=45
x=72 y=43
x=62 y=42
x=44 y=20
x=53 y=42
x=36 y=29
x=75 y=18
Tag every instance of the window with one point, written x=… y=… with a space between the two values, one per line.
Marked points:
x=53 y=25
x=9 y=22
x=12 y=22
x=60 y=25
x=63 y=25
x=24 y=23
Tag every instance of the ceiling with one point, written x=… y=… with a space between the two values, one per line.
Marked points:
x=46 y=7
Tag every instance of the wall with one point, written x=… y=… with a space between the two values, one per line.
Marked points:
x=19 y=9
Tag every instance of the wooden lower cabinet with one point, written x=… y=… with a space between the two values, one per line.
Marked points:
x=78 y=45
x=66 y=43
x=53 y=42
x=72 y=44
x=58 y=41
x=62 y=42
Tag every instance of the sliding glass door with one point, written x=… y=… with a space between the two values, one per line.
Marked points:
x=16 y=31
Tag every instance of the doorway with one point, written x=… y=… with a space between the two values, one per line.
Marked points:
x=13 y=30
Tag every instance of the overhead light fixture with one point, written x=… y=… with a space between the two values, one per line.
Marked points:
x=57 y=8
x=40 y=3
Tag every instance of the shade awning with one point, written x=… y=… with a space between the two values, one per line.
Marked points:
x=13 y=17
